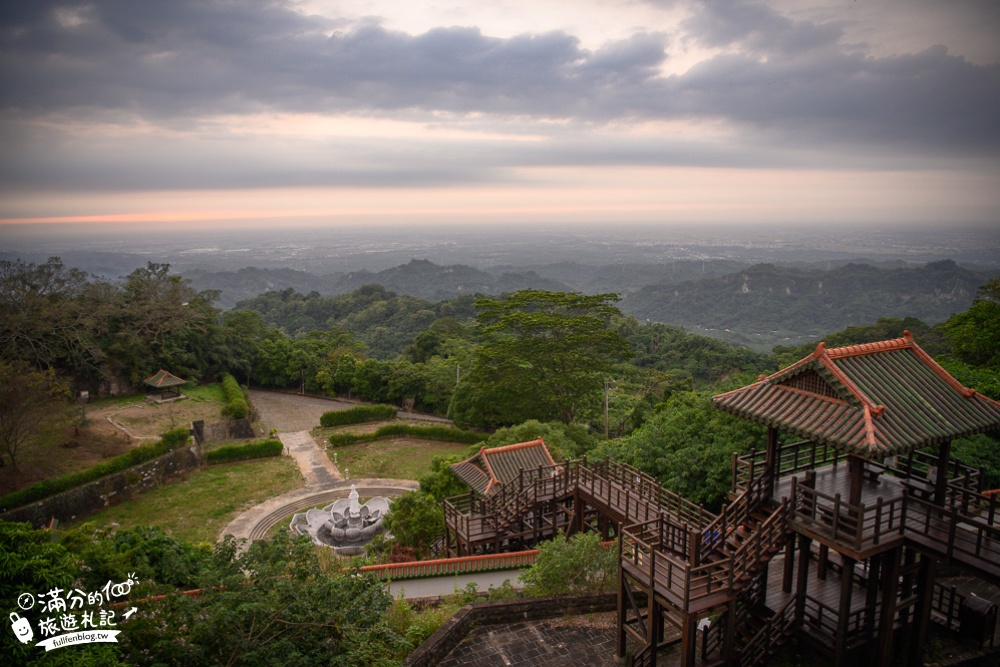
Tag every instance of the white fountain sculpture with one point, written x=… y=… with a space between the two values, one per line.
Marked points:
x=345 y=525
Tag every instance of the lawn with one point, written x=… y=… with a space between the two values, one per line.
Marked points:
x=395 y=458
x=200 y=504
x=68 y=446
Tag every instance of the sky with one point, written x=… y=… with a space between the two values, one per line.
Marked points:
x=215 y=113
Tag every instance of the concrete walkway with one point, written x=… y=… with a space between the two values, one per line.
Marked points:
x=316 y=466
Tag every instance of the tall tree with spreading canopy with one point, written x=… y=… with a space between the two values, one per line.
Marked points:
x=30 y=402
x=545 y=357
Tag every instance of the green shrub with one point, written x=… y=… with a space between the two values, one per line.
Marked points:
x=236 y=402
x=358 y=415
x=251 y=450
x=168 y=441
x=580 y=564
x=431 y=432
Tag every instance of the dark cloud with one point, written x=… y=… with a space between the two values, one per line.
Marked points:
x=792 y=83
x=757 y=28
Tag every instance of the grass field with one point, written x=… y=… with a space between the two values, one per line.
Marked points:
x=68 y=446
x=199 y=505
x=395 y=458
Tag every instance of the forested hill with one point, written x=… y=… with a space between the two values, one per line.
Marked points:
x=767 y=305
x=419 y=278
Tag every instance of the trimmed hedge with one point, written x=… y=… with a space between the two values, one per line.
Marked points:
x=251 y=450
x=432 y=432
x=358 y=415
x=168 y=441
x=236 y=402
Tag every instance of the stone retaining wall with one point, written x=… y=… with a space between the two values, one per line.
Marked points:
x=94 y=496
x=454 y=630
x=229 y=429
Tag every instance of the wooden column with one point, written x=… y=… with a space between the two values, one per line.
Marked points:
x=786 y=579
x=844 y=614
x=944 y=459
x=620 y=645
x=689 y=643
x=855 y=470
x=729 y=640
x=871 y=594
x=803 y=580
x=890 y=595
x=771 y=459
x=925 y=590
x=653 y=632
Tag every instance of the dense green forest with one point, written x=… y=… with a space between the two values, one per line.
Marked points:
x=569 y=367
x=486 y=362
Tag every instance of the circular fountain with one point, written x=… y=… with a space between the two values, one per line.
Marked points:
x=346 y=525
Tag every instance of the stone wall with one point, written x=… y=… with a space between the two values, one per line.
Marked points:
x=454 y=630
x=229 y=429
x=92 y=497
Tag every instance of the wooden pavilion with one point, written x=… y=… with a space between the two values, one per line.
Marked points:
x=166 y=385
x=839 y=537
x=874 y=486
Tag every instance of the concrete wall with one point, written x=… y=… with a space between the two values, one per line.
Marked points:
x=230 y=429
x=454 y=630
x=92 y=497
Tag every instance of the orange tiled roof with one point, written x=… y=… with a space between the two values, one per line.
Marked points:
x=875 y=399
x=490 y=468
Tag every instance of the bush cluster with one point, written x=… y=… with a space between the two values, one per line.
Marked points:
x=50 y=487
x=431 y=432
x=251 y=450
x=236 y=402
x=358 y=415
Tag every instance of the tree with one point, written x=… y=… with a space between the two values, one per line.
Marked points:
x=416 y=521
x=975 y=334
x=688 y=446
x=545 y=357
x=30 y=401
x=580 y=564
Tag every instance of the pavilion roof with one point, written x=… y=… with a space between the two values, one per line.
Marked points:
x=163 y=379
x=874 y=400
x=489 y=468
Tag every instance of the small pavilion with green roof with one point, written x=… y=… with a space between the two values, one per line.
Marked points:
x=167 y=387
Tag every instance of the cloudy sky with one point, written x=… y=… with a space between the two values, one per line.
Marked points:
x=215 y=112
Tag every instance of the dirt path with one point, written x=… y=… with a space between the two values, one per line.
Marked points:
x=290 y=412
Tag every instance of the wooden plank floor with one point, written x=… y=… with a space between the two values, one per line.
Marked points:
x=826 y=590
x=835 y=479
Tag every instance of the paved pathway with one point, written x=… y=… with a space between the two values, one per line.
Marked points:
x=578 y=641
x=316 y=466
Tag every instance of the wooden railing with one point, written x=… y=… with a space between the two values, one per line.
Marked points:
x=824 y=620
x=917 y=467
x=793 y=459
x=735 y=515
x=758 y=548
x=956 y=531
x=858 y=527
x=775 y=633
x=619 y=489
x=945 y=602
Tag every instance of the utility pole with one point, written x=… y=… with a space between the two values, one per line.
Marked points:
x=607 y=389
